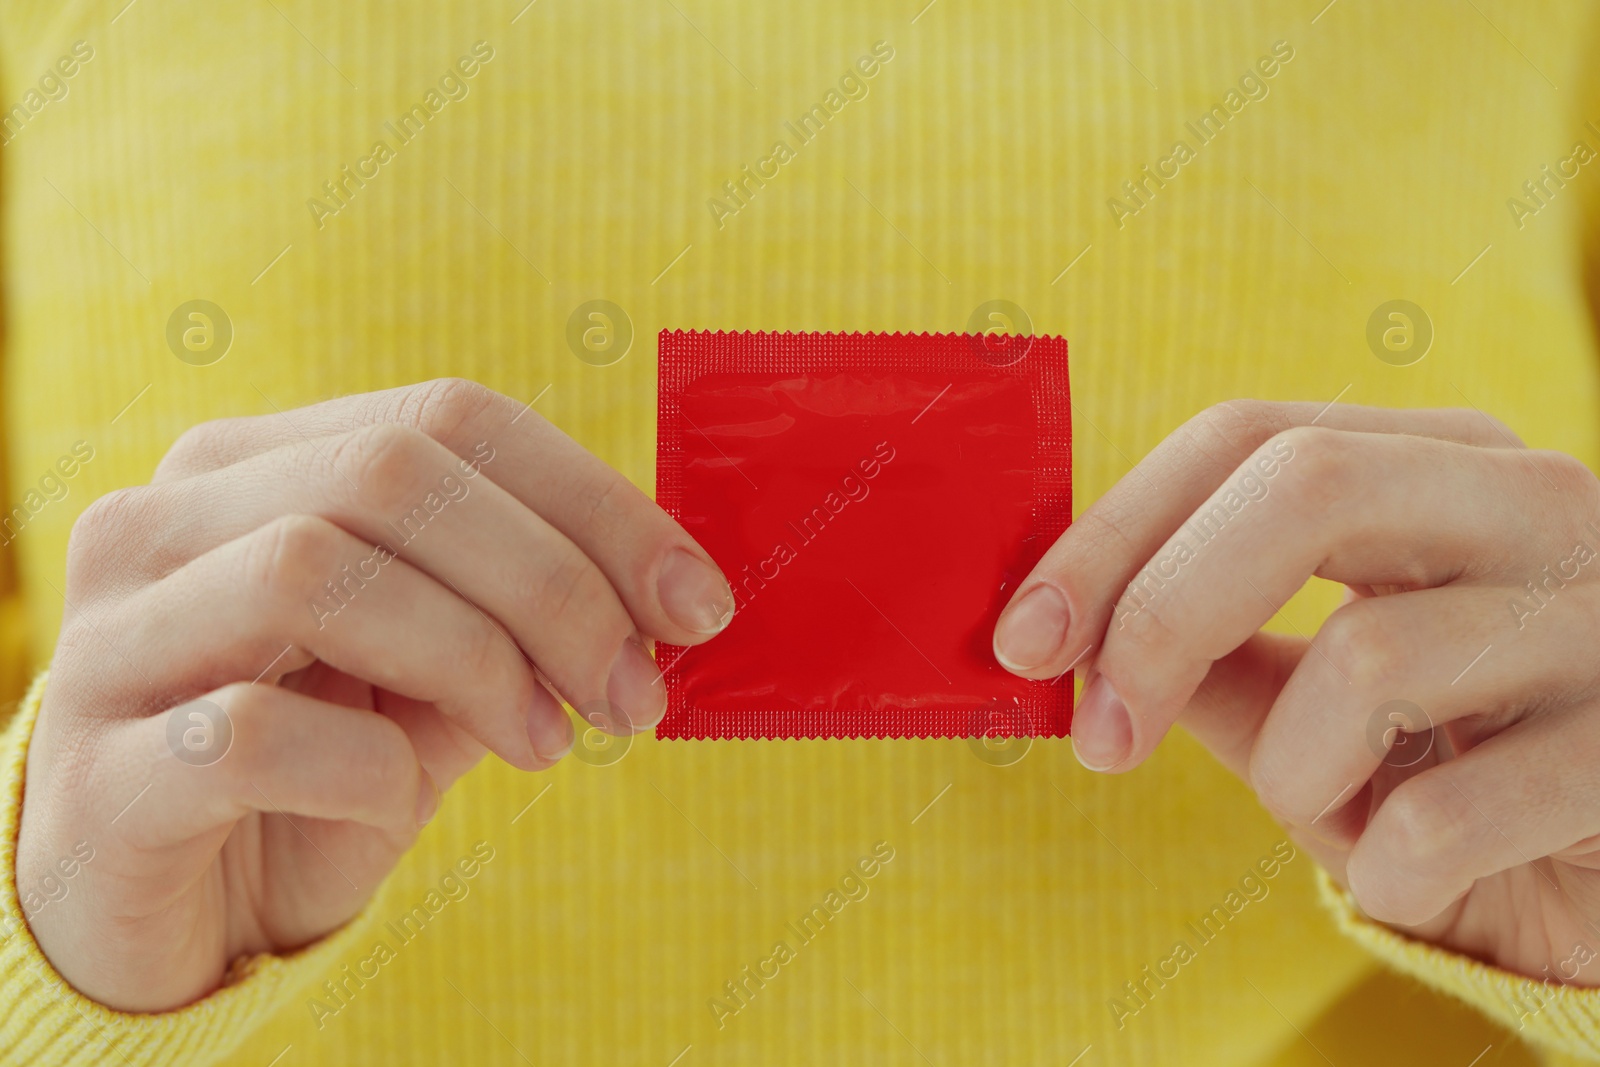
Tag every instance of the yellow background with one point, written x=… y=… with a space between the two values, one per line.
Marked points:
x=978 y=167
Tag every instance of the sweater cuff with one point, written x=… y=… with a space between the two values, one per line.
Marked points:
x=1554 y=1017
x=47 y=1023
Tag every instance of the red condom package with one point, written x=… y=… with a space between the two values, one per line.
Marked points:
x=873 y=499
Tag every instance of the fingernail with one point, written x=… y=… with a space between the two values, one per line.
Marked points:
x=550 y=730
x=427 y=799
x=1032 y=630
x=635 y=687
x=694 y=594
x=1102 y=732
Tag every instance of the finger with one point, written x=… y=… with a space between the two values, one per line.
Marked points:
x=1060 y=611
x=325 y=777
x=1383 y=668
x=670 y=585
x=399 y=488
x=1227 y=710
x=1373 y=509
x=1526 y=793
x=446 y=750
x=303 y=585
x=270 y=750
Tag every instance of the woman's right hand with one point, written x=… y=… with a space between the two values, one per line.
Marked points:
x=277 y=654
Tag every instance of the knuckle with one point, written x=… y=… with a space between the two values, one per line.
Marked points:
x=441 y=407
x=1360 y=650
x=291 y=554
x=259 y=745
x=103 y=518
x=385 y=462
x=1314 y=447
x=244 y=702
x=565 y=584
x=197 y=448
x=568 y=585
x=1426 y=823
x=601 y=498
x=487 y=657
x=1108 y=525
x=1137 y=623
x=249 y=713
x=103 y=524
x=1241 y=419
x=1315 y=465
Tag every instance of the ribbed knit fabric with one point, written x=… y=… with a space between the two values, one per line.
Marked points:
x=1563 y=1018
x=992 y=156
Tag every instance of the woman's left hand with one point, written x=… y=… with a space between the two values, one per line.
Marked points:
x=1436 y=744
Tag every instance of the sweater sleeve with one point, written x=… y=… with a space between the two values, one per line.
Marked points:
x=1561 y=1021
x=44 y=1022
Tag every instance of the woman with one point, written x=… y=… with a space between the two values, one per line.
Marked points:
x=237 y=238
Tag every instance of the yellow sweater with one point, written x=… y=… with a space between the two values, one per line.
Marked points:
x=1333 y=160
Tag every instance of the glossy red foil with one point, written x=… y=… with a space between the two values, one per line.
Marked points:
x=873 y=499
